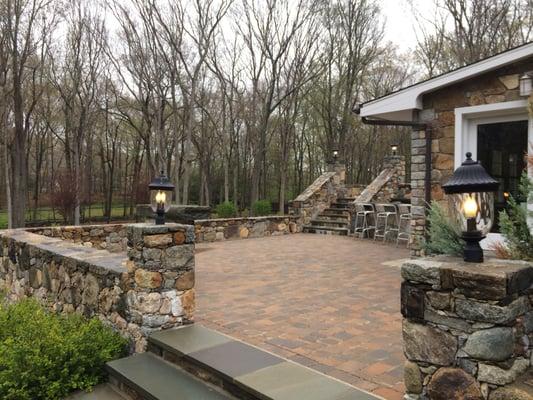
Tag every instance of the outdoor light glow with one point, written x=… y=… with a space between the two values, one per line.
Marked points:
x=160 y=197
x=470 y=207
x=335 y=153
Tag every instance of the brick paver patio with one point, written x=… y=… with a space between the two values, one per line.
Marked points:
x=327 y=302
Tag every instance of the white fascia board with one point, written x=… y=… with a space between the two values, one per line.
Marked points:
x=410 y=98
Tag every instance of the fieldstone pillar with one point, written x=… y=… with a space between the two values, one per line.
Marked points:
x=467 y=328
x=161 y=278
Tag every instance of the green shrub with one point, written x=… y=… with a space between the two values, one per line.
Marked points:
x=444 y=234
x=226 y=210
x=513 y=225
x=47 y=356
x=261 y=207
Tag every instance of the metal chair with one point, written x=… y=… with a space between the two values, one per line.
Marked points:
x=404 y=223
x=386 y=220
x=364 y=219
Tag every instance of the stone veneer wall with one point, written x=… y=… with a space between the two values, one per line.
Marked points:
x=110 y=237
x=439 y=113
x=467 y=328
x=319 y=195
x=211 y=230
x=150 y=288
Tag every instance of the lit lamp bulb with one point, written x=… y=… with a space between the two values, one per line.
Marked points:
x=160 y=198
x=470 y=207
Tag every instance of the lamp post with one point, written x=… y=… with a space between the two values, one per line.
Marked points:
x=394 y=149
x=160 y=197
x=471 y=194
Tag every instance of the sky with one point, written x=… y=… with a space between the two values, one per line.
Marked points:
x=400 y=27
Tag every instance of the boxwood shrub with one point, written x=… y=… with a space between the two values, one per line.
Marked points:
x=226 y=210
x=261 y=208
x=47 y=356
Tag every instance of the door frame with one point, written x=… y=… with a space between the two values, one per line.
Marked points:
x=466 y=121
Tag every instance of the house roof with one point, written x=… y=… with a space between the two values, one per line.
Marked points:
x=400 y=105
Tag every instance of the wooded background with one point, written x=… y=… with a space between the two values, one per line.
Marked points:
x=236 y=100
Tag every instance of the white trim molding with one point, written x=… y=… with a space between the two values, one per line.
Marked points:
x=466 y=118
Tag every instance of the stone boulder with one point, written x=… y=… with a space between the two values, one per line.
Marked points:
x=427 y=344
x=510 y=393
x=453 y=384
x=494 y=344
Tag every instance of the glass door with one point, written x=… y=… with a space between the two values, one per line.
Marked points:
x=502 y=149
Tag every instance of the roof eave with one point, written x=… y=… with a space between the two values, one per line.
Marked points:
x=409 y=99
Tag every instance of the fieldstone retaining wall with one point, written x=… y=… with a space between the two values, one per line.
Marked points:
x=110 y=237
x=387 y=184
x=319 y=195
x=467 y=329
x=211 y=230
x=149 y=288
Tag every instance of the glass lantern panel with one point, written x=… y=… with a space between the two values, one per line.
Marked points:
x=485 y=209
x=160 y=198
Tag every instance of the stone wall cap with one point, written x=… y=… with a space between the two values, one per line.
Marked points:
x=245 y=219
x=492 y=280
x=101 y=261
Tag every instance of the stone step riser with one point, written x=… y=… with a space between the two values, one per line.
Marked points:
x=332 y=224
x=326 y=231
x=203 y=373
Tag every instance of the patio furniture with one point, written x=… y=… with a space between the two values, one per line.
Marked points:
x=386 y=221
x=404 y=223
x=364 y=219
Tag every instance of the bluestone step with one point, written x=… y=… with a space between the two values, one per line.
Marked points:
x=254 y=372
x=155 y=379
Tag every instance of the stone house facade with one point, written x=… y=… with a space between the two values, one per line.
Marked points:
x=449 y=114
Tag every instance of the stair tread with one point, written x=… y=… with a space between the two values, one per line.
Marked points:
x=326 y=228
x=257 y=372
x=330 y=221
x=156 y=379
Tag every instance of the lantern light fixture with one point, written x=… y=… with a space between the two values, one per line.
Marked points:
x=471 y=194
x=394 y=149
x=526 y=84
x=335 y=156
x=161 y=190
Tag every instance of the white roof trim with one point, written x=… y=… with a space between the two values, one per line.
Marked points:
x=409 y=99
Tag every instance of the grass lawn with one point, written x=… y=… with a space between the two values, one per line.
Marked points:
x=46 y=214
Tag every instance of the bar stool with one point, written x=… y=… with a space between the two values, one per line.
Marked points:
x=364 y=219
x=386 y=220
x=404 y=223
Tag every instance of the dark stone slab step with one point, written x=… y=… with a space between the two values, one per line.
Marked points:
x=343 y=216
x=346 y=199
x=332 y=210
x=325 y=230
x=256 y=373
x=341 y=205
x=153 y=378
x=326 y=222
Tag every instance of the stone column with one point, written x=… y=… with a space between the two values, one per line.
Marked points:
x=340 y=172
x=467 y=328
x=418 y=202
x=161 y=278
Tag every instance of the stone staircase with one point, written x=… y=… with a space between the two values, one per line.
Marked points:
x=334 y=220
x=195 y=363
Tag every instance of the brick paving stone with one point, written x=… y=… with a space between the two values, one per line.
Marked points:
x=325 y=301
